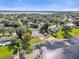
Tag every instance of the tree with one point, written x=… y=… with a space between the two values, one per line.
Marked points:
x=35 y=26
x=66 y=30
x=76 y=23
x=16 y=46
x=44 y=28
x=19 y=33
x=25 y=42
x=21 y=44
x=27 y=36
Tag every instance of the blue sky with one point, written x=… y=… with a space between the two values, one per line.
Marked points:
x=40 y=5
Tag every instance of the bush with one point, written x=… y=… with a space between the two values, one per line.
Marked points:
x=27 y=36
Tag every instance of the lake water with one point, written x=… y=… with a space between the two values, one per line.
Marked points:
x=58 y=51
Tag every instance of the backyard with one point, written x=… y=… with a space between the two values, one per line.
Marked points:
x=4 y=52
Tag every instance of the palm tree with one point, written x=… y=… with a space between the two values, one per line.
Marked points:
x=16 y=46
x=21 y=45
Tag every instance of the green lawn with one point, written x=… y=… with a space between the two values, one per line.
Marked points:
x=7 y=34
x=4 y=52
x=59 y=34
x=74 y=32
x=34 y=41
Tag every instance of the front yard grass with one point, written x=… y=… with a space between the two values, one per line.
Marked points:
x=7 y=34
x=74 y=32
x=59 y=34
x=35 y=40
x=4 y=52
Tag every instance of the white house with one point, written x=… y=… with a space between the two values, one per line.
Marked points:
x=70 y=24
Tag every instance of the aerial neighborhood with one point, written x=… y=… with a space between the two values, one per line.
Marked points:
x=34 y=35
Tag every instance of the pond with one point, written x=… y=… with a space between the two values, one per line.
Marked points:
x=58 y=51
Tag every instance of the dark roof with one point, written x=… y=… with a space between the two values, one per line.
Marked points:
x=54 y=29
